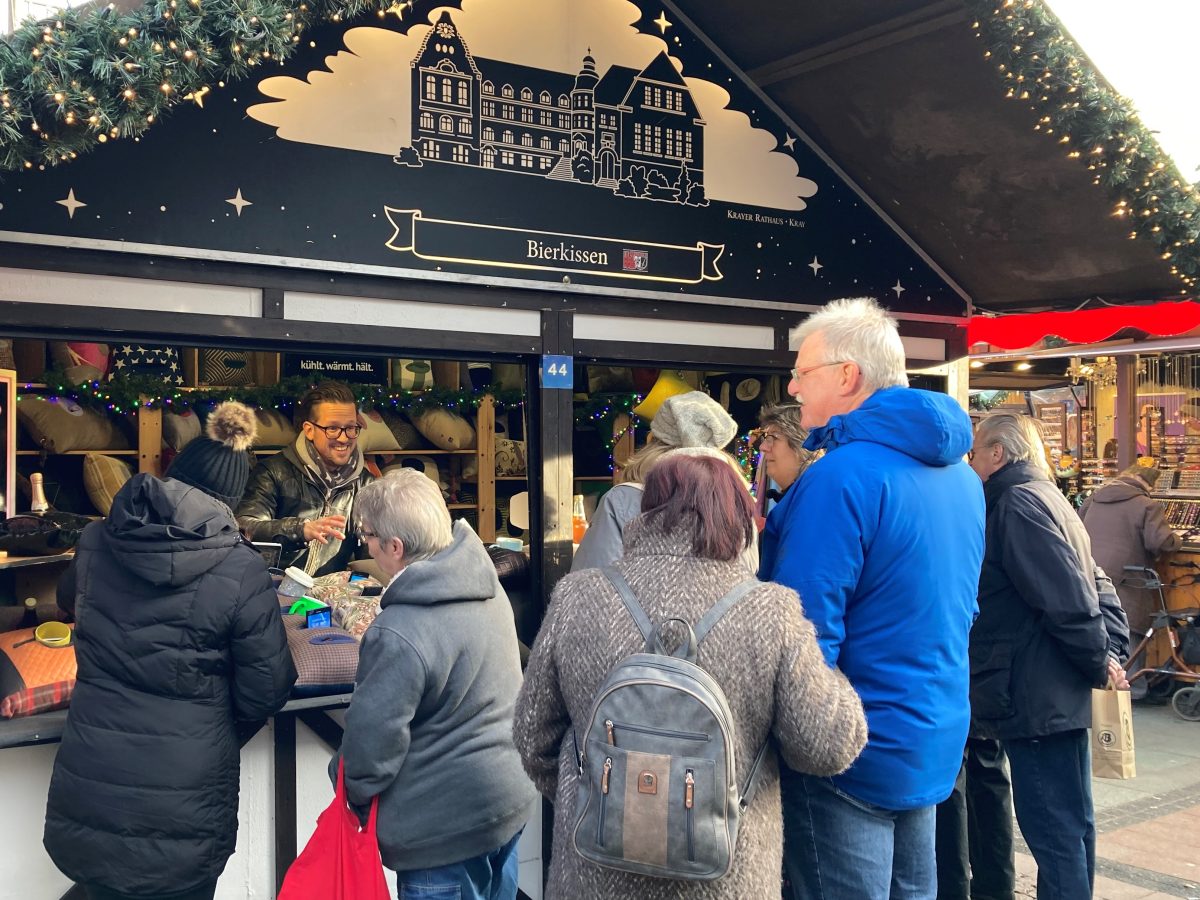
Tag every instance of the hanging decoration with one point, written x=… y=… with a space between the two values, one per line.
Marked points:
x=1099 y=372
x=91 y=75
x=985 y=401
x=1041 y=65
x=1083 y=326
x=126 y=394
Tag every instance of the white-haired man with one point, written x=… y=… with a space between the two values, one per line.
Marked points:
x=429 y=731
x=1041 y=644
x=883 y=539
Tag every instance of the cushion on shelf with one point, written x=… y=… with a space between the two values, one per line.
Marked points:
x=445 y=429
x=7 y=359
x=405 y=432
x=34 y=678
x=72 y=354
x=103 y=476
x=274 y=429
x=510 y=456
x=155 y=362
x=377 y=437
x=412 y=374
x=179 y=429
x=225 y=367
x=63 y=425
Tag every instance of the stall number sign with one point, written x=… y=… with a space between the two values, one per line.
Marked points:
x=558 y=372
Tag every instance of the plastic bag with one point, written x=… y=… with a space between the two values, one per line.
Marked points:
x=341 y=860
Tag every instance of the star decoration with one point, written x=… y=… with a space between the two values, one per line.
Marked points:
x=197 y=97
x=815 y=265
x=238 y=202
x=71 y=203
x=662 y=22
x=899 y=288
x=789 y=142
x=397 y=10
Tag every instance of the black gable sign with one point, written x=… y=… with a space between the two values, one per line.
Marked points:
x=589 y=146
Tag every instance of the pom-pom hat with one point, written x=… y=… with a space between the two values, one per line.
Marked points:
x=693 y=419
x=217 y=463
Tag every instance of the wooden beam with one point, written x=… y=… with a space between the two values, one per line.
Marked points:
x=917 y=23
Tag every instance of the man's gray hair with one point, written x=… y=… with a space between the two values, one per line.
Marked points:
x=860 y=331
x=406 y=504
x=1019 y=436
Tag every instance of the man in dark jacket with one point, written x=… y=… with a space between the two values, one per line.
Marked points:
x=303 y=496
x=429 y=732
x=1038 y=648
x=182 y=655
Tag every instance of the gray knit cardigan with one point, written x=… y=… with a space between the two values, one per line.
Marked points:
x=763 y=653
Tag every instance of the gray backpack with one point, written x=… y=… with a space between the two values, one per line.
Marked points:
x=656 y=772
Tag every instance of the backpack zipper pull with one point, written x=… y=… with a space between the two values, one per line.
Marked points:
x=689 y=796
x=604 y=775
x=608 y=727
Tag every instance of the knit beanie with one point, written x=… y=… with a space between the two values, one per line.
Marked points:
x=693 y=419
x=217 y=463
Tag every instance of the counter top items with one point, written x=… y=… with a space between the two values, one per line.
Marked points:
x=326 y=658
x=35 y=676
x=353 y=611
x=296 y=582
x=41 y=535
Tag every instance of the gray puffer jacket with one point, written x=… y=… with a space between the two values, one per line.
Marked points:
x=181 y=653
x=281 y=494
x=429 y=730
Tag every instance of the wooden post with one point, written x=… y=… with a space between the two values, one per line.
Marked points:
x=623 y=443
x=149 y=439
x=485 y=484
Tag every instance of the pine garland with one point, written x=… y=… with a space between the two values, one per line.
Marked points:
x=1040 y=64
x=128 y=393
x=84 y=78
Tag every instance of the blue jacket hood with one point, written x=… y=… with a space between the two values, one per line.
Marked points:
x=927 y=426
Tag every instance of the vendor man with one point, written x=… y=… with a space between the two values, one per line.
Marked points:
x=303 y=497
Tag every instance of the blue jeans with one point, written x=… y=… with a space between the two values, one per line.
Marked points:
x=489 y=876
x=836 y=847
x=1052 y=795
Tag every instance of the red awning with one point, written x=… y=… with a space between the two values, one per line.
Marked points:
x=1084 y=326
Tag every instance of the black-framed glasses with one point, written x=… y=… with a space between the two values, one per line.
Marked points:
x=333 y=432
x=766 y=438
x=365 y=534
x=797 y=374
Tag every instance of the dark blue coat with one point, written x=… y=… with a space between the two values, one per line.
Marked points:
x=180 y=645
x=1040 y=644
x=882 y=538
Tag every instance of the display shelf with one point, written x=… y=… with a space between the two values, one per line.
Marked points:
x=78 y=452
x=21 y=562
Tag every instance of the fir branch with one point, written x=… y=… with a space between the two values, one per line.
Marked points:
x=1040 y=64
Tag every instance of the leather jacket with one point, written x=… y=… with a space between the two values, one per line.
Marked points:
x=281 y=494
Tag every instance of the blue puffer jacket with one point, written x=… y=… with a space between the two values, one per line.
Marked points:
x=883 y=540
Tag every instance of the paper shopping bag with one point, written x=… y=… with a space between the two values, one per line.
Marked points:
x=341 y=860
x=1112 y=734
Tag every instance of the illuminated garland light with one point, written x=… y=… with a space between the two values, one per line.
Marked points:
x=1039 y=63
x=86 y=77
x=147 y=392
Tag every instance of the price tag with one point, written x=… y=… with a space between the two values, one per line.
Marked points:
x=558 y=372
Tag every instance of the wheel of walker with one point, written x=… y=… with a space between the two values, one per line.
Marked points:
x=1186 y=703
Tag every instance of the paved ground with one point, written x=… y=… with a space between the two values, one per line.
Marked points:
x=1148 y=846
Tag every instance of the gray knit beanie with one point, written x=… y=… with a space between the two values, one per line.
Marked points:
x=693 y=419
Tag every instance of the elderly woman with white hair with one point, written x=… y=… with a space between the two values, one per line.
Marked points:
x=1038 y=648
x=429 y=731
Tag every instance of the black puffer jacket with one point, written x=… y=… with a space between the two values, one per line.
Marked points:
x=180 y=646
x=282 y=493
x=1040 y=644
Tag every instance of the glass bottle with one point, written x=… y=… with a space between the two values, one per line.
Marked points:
x=578 y=519
x=30 y=617
x=37 y=502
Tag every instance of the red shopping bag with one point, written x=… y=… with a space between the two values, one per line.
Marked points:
x=341 y=860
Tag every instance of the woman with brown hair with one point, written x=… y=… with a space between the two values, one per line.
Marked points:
x=681 y=554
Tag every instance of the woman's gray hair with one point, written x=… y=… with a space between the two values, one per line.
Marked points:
x=1019 y=436
x=786 y=417
x=860 y=331
x=406 y=504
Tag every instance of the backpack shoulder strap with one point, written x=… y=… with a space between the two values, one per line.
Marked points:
x=635 y=609
x=722 y=606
